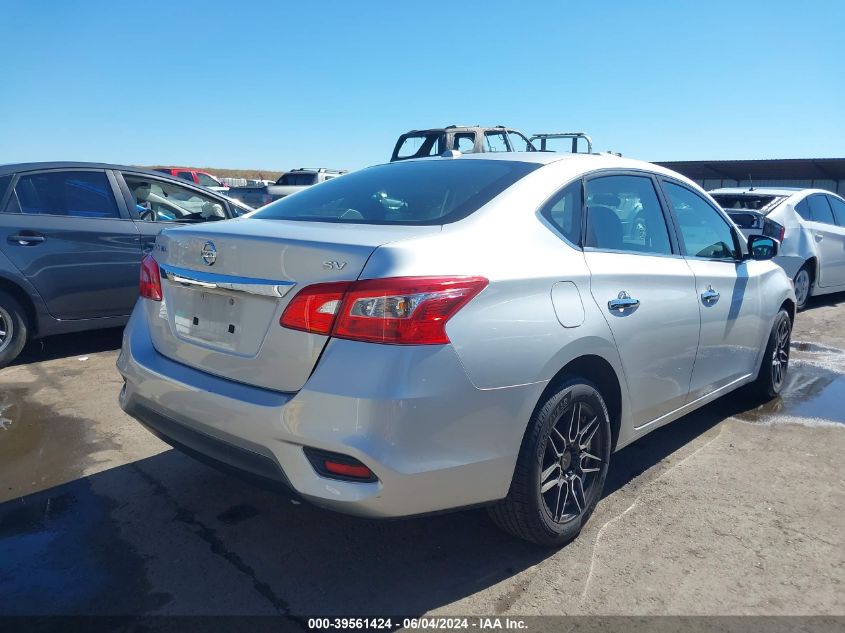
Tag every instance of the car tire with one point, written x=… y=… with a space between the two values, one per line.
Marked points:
x=13 y=328
x=803 y=282
x=771 y=376
x=561 y=467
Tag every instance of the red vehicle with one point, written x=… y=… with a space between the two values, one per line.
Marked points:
x=201 y=178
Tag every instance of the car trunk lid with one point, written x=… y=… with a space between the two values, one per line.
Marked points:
x=226 y=285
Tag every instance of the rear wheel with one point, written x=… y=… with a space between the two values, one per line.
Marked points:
x=772 y=375
x=13 y=328
x=561 y=468
x=803 y=286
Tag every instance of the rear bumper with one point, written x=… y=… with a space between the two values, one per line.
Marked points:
x=410 y=414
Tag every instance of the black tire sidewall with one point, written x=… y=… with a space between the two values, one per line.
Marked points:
x=806 y=268
x=765 y=380
x=19 y=331
x=548 y=414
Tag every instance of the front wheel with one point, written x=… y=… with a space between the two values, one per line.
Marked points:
x=772 y=374
x=561 y=468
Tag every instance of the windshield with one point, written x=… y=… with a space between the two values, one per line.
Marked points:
x=421 y=193
x=748 y=201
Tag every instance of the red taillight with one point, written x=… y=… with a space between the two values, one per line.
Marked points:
x=781 y=234
x=149 y=284
x=314 y=307
x=398 y=310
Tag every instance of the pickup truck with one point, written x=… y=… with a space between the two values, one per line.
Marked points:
x=291 y=182
x=201 y=178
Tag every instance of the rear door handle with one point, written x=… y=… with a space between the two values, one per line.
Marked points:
x=819 y=237
x=623 y=302
x=710 y=295
x=26 y=239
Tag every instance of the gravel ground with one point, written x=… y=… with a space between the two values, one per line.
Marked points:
x=733 y=509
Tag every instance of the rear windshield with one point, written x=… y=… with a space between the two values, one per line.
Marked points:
x=421 y=193
x=747 y=202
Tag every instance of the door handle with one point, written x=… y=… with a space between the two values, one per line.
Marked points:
x=819 y=237
x=26 y=239
x=710 y=295
x=623 y=302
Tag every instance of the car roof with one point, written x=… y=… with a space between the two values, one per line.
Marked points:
x=12 y=168
x=766 y=191
x=462 y=128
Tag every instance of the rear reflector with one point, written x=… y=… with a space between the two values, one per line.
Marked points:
x=338 y=466
x=397 y=310
x=149 y=285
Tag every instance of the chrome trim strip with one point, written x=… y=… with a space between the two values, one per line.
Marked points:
x=232 y=283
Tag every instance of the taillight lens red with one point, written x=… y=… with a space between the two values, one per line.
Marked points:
x=149 y=284
x=314 y=307
x=781 y=234
x=398 y=310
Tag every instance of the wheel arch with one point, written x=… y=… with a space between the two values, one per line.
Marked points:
x=601 y=373
x=17 y=292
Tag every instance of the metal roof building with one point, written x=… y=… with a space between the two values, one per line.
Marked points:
x=816 y=173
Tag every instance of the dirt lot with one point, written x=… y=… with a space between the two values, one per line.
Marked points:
x=730 y=510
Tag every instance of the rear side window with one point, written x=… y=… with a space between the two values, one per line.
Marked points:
x=297 y=180
x=820 y=210
x=428 y=192
x=624 y=214
x=803 y=209
x=185 y=175
x=419 y=145
x=83 y=194
x=564 y=212
x=837 y=205
x=207 y=181
x=465 y=142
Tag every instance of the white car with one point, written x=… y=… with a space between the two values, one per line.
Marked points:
x=812 y=248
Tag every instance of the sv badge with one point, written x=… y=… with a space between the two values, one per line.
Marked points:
x=334 y=265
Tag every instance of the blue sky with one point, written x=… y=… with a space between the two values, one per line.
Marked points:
x=278 y=85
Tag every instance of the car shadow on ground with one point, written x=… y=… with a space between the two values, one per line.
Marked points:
x=69 y=345
x=170 y=533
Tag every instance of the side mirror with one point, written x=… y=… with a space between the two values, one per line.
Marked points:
x=761 y=247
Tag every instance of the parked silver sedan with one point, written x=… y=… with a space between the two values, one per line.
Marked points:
x=812 y=236
x=446 y=332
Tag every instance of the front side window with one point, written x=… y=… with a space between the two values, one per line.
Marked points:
x=704 y=232
x=415 y=193
x=163 y=201
x=82 y=194
x=624 y=214
x=564 y=212
x=820 y=210
x=836 y=204
x=519 y=142
x=495 y=142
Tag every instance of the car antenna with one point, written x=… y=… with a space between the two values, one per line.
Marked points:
x=750 y=183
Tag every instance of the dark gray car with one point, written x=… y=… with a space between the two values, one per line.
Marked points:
x=72 y=236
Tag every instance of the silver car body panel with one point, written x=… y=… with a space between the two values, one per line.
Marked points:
x=804 y=239
x=440 y=426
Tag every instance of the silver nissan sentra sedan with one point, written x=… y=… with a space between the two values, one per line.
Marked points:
x=454 y=331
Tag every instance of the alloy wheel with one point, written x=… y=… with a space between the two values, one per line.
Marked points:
x=6 y=329
x=802 y=286
x=571 y=464
x=780 y=355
